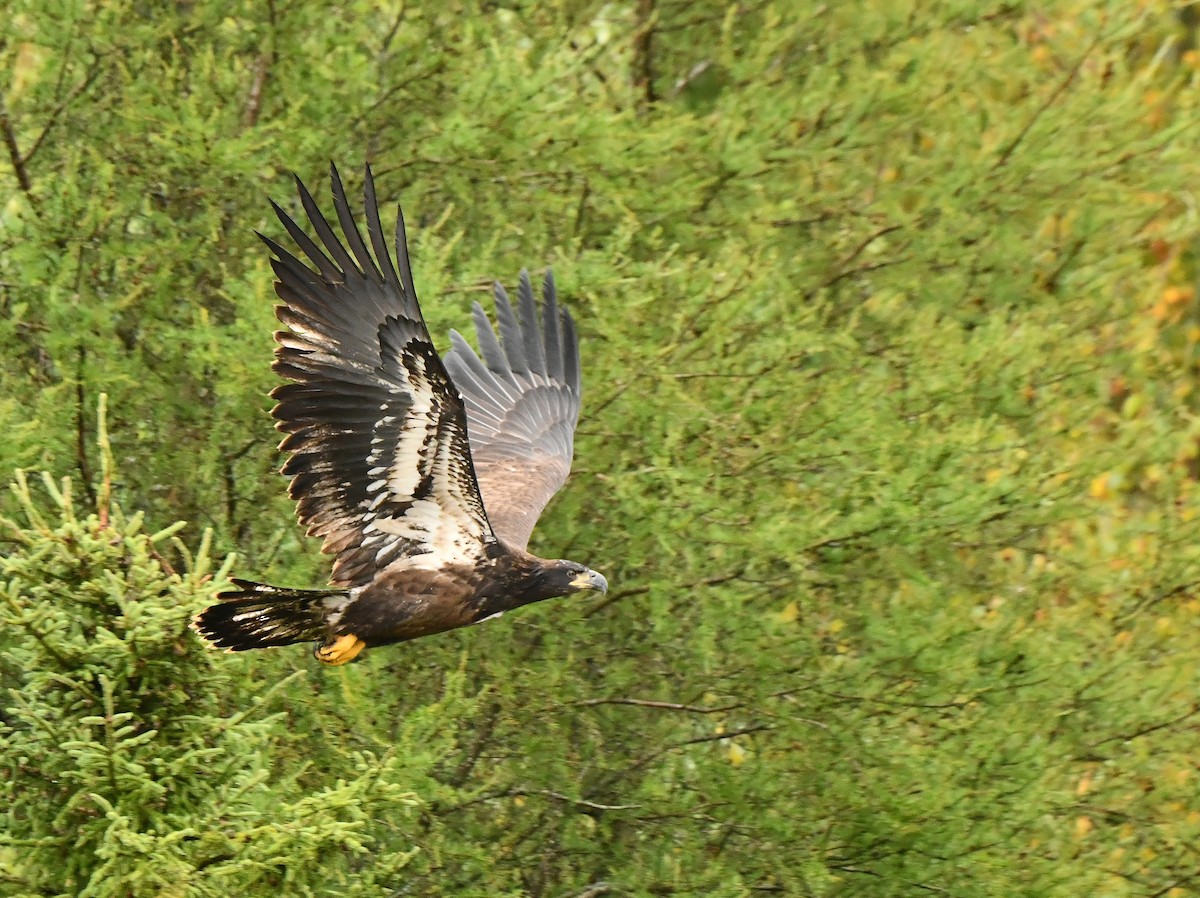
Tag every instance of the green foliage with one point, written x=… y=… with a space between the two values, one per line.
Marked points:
x=124 y=775
x=889 y=449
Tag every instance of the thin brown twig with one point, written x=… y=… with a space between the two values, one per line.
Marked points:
x=81 y=454
x=582 y=802
x=254 y=101
x=14 y=153
x=1058 y=91
x=615 y=596
x=262 y=70
x=842 y=269
x=716 y=737
x=60 y=108
x=643 y=50
x=648 y=758
x=648 y=703
x=1148 y=728
x=581 y=208
x=642 y=590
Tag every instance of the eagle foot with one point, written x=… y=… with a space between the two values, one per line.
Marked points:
x=342 y=650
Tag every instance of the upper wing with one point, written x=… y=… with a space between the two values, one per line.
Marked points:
x=380 y=464
x=522 y=403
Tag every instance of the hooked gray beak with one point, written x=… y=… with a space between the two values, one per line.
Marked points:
x=590 y=580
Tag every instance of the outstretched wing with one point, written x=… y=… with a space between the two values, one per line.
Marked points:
x=522 y=403
x=380 y=462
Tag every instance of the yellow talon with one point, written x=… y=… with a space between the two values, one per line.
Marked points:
x=342 y=650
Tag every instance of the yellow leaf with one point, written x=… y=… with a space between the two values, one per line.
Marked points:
x=1174 y=296
x=1083 y=826
x=737 y=754
x=790 y=613
x=1084 y=785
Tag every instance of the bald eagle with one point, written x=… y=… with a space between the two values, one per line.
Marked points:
x=423 y=475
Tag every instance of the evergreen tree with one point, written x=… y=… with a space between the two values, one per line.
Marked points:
x=125 y=771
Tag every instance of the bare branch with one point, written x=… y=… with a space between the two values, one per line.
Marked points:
x=1010 y=148
x=716 y=737
x=596 y=888
x=647 y=703
x=14 y=153
x=614 y=596
x=254 y=101
x=643 y=50
x=582 y=802
x=81 y=455
x=88 y=80
x=262 y=69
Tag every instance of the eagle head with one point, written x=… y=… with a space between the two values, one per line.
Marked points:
x=552 y=579
x=570 y=576
x=517 y=579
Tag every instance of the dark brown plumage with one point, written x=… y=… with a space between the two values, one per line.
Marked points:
x=423 y=476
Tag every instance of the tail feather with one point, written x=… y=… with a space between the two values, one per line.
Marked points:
x=257 y=616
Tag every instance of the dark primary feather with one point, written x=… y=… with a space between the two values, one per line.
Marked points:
x=380 y=463
x=522 y=399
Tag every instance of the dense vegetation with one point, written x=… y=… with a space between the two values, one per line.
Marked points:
x=890 y=449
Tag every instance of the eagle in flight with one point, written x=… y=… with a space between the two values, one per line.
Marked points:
x=423 y=475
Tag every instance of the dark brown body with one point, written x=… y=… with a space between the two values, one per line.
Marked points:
x=399 y=604
x=404 y=605
x=409 y=603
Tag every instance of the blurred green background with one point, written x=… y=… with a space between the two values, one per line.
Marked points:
x=889 y=450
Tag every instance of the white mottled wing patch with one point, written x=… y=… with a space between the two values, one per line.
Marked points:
x=380 y=461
